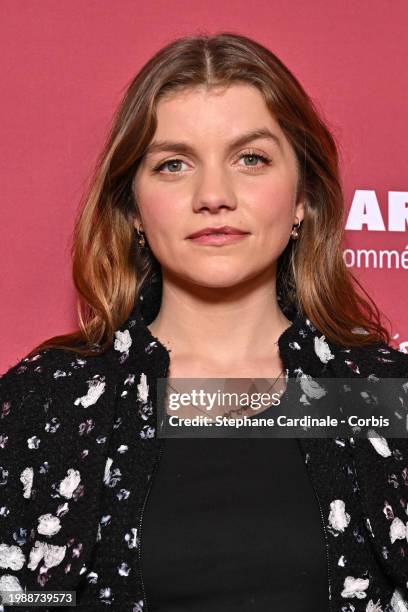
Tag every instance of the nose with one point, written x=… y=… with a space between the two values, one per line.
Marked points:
x=213 y=191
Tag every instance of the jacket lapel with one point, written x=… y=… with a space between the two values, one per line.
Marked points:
x=133 y=450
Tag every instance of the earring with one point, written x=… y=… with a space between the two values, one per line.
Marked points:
x=141 y=238
x=294 y=233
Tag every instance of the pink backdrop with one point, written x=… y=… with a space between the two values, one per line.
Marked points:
x=64 y=67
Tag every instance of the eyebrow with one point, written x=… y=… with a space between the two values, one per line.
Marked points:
x=240 y=141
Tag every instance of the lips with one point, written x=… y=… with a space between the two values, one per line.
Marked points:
x=223 y=230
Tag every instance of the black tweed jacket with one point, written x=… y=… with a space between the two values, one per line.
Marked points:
x=78 y=449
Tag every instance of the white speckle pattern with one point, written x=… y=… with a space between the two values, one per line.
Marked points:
x=48 y=525
x=398 y=530
x=108 y=464
x=33 y=442
x=10 y=583
x=62 y=509
x=11 y=557
x=27 y=477
x=339 y=519
x=398 y=602
x=355 y=587
x=379 y=443
x=123 y=341
x=322 y=349
x=59 y=374
x=295 y=346
x=142 y=388
x=95 y=390
x=50 y=554
x=311 y=387
x=131 y=538
x=123 y=569
x=69 y=483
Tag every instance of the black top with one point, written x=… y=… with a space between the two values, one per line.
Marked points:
x=233 y=524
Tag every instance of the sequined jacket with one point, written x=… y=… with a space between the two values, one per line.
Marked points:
x=78 y=452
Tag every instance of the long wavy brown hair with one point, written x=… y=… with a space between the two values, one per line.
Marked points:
x=109 y=268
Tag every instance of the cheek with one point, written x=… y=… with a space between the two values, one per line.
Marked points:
x=158 y=213
x=272 y=206
x=156 y=205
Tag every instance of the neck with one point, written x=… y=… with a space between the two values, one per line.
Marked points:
x=229 y=325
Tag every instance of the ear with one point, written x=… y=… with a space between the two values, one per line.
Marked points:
x=137 y=223
x=300 y=211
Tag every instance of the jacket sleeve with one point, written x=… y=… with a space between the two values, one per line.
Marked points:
x=56 y=419
x=382 y=470
x=23 y=421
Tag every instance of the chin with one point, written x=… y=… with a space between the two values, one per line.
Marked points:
x=213 y=280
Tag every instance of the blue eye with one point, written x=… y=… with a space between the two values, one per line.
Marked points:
x=169 y=161
x=255 y=156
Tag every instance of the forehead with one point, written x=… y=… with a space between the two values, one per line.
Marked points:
x=216 y=112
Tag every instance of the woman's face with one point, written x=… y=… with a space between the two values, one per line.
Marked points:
x=195 y=174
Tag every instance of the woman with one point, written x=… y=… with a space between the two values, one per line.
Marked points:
x=213 y=134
